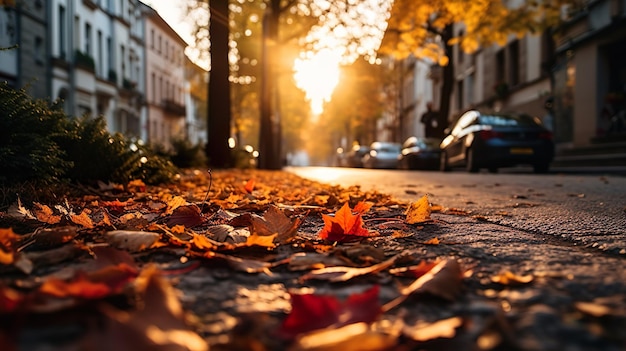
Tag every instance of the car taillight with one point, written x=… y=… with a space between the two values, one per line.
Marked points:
x=489 y=134
x=545 y=135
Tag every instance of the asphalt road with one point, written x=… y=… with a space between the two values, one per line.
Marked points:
x=587 y=209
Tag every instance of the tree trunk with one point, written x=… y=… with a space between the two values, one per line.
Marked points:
x=219 y=113
x=269 y=132
x=447 y=84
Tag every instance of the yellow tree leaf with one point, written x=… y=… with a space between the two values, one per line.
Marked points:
x=419 y=211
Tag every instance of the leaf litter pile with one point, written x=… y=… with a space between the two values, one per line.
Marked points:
x=262 y=261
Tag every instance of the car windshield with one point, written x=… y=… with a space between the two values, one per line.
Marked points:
x=507 y=120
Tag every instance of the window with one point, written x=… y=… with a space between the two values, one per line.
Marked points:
x=459 y=94
x=123 y=58
x=87 y=38
x=514 y=66
x=159 y=47
x=167 y=49
x=62 y=32
x=110 y=54
x=153 y=83
x=100 y=69
x=39 y=58
x=152 y=38
x=500 y=67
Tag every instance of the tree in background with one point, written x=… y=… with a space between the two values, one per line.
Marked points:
x=425 y=29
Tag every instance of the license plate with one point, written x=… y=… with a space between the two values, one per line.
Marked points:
x=521 y=151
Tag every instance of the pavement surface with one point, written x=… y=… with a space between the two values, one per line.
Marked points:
x=502 y=263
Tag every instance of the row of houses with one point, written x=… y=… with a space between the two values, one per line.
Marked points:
x=574 y=79
x=114 y=58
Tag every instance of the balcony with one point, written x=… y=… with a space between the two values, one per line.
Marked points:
x=84 y=61
x=173 y=107
x=90 y=4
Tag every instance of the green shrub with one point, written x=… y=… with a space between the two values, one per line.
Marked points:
x=41 y=144
x=187 y=155
x=28 y=129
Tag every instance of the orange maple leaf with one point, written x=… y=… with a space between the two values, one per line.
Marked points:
x=8 y=240
x=249 y=187
x=344 y=226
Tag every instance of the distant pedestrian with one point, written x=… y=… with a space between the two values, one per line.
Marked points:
x=431 y=122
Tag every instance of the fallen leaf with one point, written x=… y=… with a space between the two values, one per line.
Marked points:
x=593 y=309
x=136 y=185
x=8 y=240
x=174 y=203
x=433 y=241
x=274 y=222
x=133 y=241
x=352 y=337
x=45 y=214
x=344 y=226
x=264 y=241
x=445 y=328
x=46 y=238
x=249 y=187
x=342 y=273
x=82 y=219
x=10 y=299
x=509 y=278
x=311 y=312
x=189 y=216
x=414 y=271
x=419 y=211
x=443 y=280
x=157 y=324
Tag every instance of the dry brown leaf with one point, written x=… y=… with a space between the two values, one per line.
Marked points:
x=342 y=273
x=133 y=241
x=443 y=280
x=274 y=222
x=419 y=211
x=158 y=324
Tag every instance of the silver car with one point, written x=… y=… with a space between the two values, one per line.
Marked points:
x=382 y=155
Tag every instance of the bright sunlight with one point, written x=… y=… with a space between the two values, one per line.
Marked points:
x=318 y=74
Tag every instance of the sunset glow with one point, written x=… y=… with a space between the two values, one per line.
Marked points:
x=317 y=75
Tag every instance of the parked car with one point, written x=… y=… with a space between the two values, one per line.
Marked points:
x=491 y=140
x=354 y=157
x=419 y=153
x=382 y=155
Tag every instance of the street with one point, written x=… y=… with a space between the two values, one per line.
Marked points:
x=567 y=231
x=584 y=209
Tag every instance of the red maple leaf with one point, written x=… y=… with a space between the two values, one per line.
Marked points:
x=311 y=312
x=344 y=226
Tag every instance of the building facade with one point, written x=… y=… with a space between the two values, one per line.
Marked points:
x=113 y=58
x=590 y=76
x=165 y=79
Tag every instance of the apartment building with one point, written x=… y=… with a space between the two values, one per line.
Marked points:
x=23 y=30
x=165 y=79
x=114 y=58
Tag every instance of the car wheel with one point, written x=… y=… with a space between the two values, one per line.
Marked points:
x=541 y=167
x=443 y=162
x=470 y=162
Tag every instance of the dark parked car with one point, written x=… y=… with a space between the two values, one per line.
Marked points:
x=382 y=155
x=353 y=158
x=494 y=139
x=419 y=153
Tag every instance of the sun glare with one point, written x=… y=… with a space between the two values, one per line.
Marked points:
x=317 y=75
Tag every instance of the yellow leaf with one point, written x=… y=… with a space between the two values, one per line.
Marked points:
x=419 y=211
x=261 y=240
x=433 y=241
